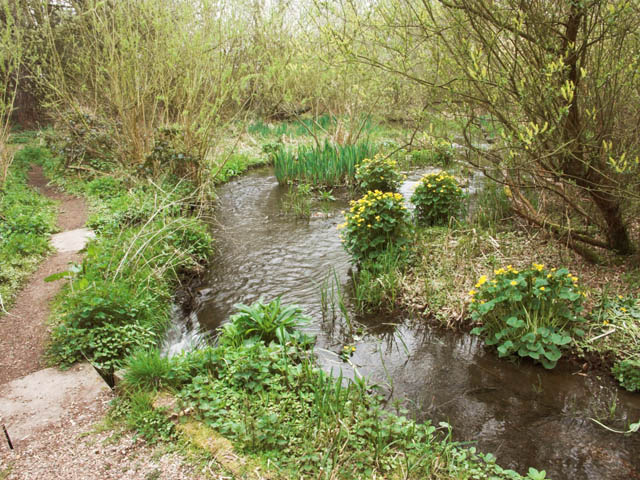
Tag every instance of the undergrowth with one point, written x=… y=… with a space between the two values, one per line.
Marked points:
x=150 y=238
x=265 y=393
x=26 y=220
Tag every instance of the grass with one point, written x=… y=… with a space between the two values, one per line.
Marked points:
x=26 y=221
x=329 y=166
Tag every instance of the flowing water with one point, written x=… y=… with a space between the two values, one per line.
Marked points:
x=523 y=414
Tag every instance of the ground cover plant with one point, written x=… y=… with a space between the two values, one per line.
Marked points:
x=533 y=313
x=264 y=391
x=26 y=221
x=325 y=166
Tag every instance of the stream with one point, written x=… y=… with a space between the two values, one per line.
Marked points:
x=525 y=415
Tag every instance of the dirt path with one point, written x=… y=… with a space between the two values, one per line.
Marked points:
x=23 y=332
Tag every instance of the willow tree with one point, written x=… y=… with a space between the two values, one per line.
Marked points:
x=555 y=83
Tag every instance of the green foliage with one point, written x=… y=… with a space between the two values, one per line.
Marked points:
x=440 y=156
x=627 y=372
x=373 y=223
x=298 y=200
x=534 y=312
x=379 y=173
x=147 y=369
x=105 y=187
x=377 y=283
x=151 y=423
x=172 y=154
x=491 y=206
x=265 y=322
x=328 y=166
x=437 y=198
x=237 y=164
x=84 y=139
x=119 y=298
x=270 y=399
x=26 y=220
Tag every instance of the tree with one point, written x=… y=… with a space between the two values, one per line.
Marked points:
x=556 y=83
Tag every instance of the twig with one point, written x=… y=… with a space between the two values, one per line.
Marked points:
x=602 y=335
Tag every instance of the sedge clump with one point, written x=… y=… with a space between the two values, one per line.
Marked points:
x=532 y=313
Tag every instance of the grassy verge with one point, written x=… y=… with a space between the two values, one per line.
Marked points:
x=260 y=388
x=26 y=221
x=150 y=238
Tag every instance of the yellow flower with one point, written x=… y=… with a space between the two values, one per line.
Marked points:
x=549 y=275
x=472 y=292
x=605 y=323
x=623 y=309
x=513 y=282
x=542 y=289
x=538 y=266
x=620 y=297
x=481 y=281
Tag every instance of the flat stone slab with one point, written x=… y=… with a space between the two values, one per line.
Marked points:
x=47 y=398
x=72 y=241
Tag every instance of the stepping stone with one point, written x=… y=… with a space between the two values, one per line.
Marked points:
x=72 y=241
x=47 y=398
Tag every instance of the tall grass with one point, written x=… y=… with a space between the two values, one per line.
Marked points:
x=296 y=128
x=330 y=165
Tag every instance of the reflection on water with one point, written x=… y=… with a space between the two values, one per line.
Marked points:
x=525 y=415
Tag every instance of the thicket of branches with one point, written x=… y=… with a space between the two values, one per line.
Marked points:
x=555 y=84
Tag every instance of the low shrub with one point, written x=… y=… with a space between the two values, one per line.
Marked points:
x=437 y=198
x=532 y=313
x=374 y=222
x=378 y=173
x=171 y=153
x=627 y=372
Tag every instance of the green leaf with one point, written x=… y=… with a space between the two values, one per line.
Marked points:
x=477 y=331
x=529 y=337
x=58 y=276
x=553 y=354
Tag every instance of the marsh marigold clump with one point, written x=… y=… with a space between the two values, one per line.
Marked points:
x=437 y=198
x=373 y=222
x=378 y=173
x=534 y=312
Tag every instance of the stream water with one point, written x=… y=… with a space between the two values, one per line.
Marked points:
x=525 y=415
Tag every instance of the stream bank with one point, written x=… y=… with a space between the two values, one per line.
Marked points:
x=525 y=415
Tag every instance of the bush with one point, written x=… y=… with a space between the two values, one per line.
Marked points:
x=437 y=198
x=82 y=138
x=373 y=223
x=171 y=153
x=533 y=313
x=627 y=372
x=378 y=173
